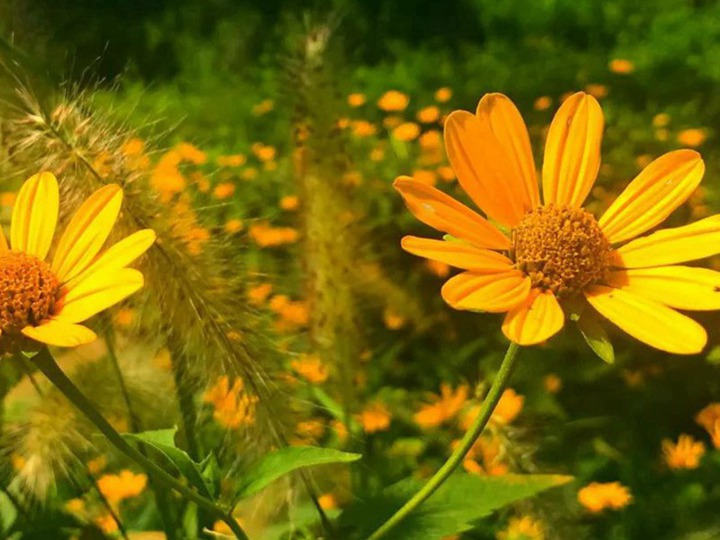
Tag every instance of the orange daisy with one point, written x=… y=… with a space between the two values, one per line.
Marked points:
x=534 y=260
x=45 y=301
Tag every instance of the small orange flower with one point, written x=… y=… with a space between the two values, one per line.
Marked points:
x=407 y=131
x=425 y=176
x=44 y=302
x=310 y=368
x=356 y=100
x=443 y=407
x=534 y=264
x=290 y=202
x=552 y=383
x=233 y=407
x=376 y=417
x=523 y=528
x=597 y=90
x=685 y=454
x=597 y=496
x=443 y=95
x=621 y=66
x=692 y=137
x=708 y=416
x=264 y=107
x=428 y=115
x=224 y=190
x=118 y=487
x=542 y=103
x=363 y=128
x=393 y=101
x=233 y=226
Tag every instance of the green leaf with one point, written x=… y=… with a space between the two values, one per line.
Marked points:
x=163 y=440
x=595 y=336
x=453 y=509
x=286 y=460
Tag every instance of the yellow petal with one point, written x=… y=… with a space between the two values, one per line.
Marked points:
x=457 y=254
x=35 y=215
x=671 y=246
x=493 y=292
x=572 y=151
x=96 y=293
x=87 y=231
x=486 y=168
x=442 y=212
x=680 y=287
x=653 y=195
x=536 y=320
x=119 y=255
x=648 y=321
x=60 y=334
x=507 y=125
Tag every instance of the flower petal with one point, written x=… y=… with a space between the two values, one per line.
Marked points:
x=96 y=293
x=536 y=320
x=653 y=195
x=671 y=246
x=35 y=214
x=484 y=167
x=457 y=254
x=648 y=321
x=442 y=212
x=572 y=151
x=507 y=125
x=119 y=255
x=680 y=287
x=87 y=231
x=495 y=292
x=60 y=334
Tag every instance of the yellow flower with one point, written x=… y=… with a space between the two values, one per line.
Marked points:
x=685 y=454
x=327 y=501
x=446 y=173
x=540 y=255
x=235 y=160
x=692 y=137
x=126 y=485
x=542 y=103
x=375 y=417
x=442 y=407
x=507 y=410
x=428 y=115
x=393 y=320
x=443 y=94
x=597 y=496
x=310 y=368
x=407 y=131
x=356 y=100
x=393 y=101
x=45 y=302
x=263 y=152
x=621 y=66
x=425 y=176
x=191 y=153
x=259 y=293
x=363 y=128
x=661 y=120
x=523 y=528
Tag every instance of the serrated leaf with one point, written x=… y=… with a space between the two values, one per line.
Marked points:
x=453 y=509
x=286 y=460
x=596 y=336
x=163 y=440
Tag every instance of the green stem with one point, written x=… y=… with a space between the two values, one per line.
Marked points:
x=47 y=365
x=488 y=406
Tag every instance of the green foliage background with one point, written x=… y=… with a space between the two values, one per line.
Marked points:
x=201 y=67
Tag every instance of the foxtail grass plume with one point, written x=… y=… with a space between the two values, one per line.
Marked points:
x=535 y=259
x=46 y=302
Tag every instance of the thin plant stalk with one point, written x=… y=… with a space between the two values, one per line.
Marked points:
x=49 y=367
x=472 y=434
x=160 y=491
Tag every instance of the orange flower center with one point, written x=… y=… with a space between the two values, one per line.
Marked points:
x=561 y=249
x=28 y=291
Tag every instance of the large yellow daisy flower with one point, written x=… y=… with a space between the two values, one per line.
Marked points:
x=45 y=302
x=529 y=257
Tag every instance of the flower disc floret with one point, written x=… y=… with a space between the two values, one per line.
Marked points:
x=561 y=249
x=28 y=291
